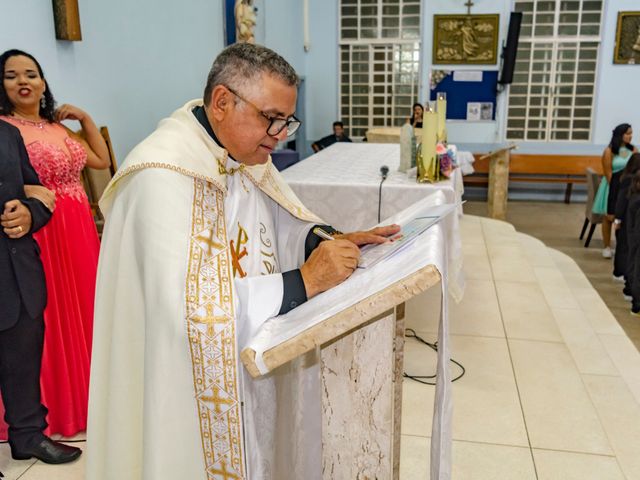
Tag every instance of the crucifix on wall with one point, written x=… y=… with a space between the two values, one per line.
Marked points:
x=469 y=4
x=66 y=17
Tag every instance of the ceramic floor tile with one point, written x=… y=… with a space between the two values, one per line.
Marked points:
x=12 y=469
x=476 y=266
x=531 y=325
x=553 y=465
x=584 y=344
x=515 y=297
x=478 y=312
x=576 y=279
x=555 y=288
x=470 y=219
x=535 y=251
x=512 y=268
x=478 y=248
x=557 y=408
x=486 y=400
x=481 y=461
x=471 y=232
x=496 y=228
x=471 y=461
x=626 y=359
x=620 y=415
x=414 y=457
x=476 y=461
x=596 y=311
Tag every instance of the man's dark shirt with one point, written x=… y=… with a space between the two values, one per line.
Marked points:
x=329 y=140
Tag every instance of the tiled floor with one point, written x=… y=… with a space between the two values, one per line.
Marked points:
x=551 y=389
x=558 y=226
x=552 y=383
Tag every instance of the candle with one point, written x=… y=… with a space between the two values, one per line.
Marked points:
x=427 y=166
x=441 y=102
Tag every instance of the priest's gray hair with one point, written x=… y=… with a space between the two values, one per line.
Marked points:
x=241 y=63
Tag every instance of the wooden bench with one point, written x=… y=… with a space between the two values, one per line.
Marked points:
x=537 y=168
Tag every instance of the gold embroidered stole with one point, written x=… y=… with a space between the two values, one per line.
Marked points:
x=212 y=336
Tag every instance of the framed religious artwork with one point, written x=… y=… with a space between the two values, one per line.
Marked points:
x=66 y=17
x=465 y=39
x=627 y=49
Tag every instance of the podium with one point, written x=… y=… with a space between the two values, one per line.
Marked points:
x=361 y=351
x=355 y=333
x=498 y=181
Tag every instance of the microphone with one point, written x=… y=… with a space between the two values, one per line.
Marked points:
x=384 y=171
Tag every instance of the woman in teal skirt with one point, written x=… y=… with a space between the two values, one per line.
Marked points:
x=614 y=159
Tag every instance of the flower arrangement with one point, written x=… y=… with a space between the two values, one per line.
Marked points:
x=446 y=158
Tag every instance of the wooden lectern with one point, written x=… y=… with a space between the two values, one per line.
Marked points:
x=498 y=181
x=361 y=373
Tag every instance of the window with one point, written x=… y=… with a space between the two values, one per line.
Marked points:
x=551 y=98
x=379 y=62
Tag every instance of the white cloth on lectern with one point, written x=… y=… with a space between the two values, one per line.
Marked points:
x=430 y=248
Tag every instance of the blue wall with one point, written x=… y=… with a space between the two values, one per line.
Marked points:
x=138 y=60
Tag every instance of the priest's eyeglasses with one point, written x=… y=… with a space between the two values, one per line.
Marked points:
x=276 y=124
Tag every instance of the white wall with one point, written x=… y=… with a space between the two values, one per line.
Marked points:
x=617 y=99
x=138 y=60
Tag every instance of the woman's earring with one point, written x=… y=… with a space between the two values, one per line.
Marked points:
x=43 y=102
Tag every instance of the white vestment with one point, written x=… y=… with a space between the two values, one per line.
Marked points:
x=190 y=264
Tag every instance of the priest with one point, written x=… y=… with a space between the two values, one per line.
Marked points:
x=203 y=242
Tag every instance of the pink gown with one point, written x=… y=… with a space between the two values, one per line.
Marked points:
x=70 y=246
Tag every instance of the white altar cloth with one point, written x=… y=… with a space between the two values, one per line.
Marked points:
x=341 y=185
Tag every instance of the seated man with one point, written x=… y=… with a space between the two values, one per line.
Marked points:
x=337 y=136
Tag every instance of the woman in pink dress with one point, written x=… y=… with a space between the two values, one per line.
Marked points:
x=69 y=242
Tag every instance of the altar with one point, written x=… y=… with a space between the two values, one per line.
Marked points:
x=342 y=185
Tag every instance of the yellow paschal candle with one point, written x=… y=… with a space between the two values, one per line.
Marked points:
x=441 y=106
x=428 y=149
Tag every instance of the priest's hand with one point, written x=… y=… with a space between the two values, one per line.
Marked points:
x=375 y=235
x=15 y=219
x=331 y=263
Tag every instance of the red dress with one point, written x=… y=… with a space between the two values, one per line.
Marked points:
x=70 y=246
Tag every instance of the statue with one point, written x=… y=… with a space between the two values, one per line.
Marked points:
x=469 y=44
x=636 y=47
x=245 y=21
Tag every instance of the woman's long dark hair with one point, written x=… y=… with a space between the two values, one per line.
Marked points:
x=6 y=107
x=632 y=166
x=616 y=138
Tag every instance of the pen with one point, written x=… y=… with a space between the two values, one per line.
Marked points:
x=322 y=234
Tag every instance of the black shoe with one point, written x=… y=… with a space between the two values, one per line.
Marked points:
x=48 y=451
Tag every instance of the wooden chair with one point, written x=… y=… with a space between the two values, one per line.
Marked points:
x=95 y=181
x=593 y=181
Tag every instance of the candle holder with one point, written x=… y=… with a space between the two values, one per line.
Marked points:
x=441 y=105
x=426 y=158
